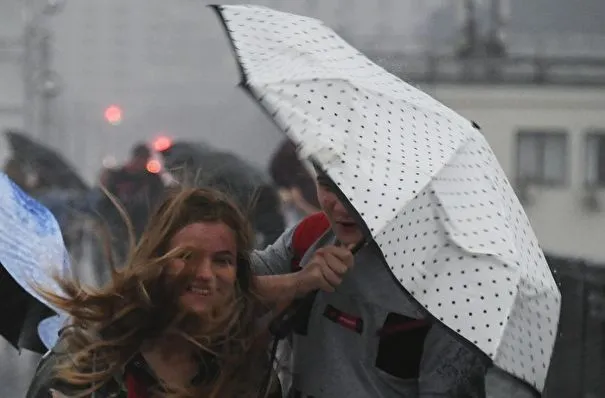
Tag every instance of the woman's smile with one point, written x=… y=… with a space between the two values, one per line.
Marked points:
x=211 y=257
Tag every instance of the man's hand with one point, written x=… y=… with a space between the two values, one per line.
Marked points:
x=325 y=270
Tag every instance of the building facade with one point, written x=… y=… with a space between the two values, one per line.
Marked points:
x=550 y=141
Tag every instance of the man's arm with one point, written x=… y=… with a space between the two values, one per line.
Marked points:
x=451 y=368
x=275 y=259
x=278 y=285
x=279 y=290
x=272 y=266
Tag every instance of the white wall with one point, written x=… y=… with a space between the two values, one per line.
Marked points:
x=563 y=225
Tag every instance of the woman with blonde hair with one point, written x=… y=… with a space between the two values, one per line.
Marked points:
x=179 y=320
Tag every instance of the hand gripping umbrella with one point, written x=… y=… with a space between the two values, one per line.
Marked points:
x=423 y=179
x=31 y=248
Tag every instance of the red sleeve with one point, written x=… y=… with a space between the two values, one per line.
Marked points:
x=306 y=233
x=135 y=388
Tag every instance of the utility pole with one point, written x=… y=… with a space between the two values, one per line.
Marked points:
x=41 y=83
x=10 y=53
x=469 y=31
x=495 y=41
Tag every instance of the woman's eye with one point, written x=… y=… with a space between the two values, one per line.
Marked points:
x=186 y=256
x=224 y=261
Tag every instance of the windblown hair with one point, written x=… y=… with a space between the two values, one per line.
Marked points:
x=141 y=303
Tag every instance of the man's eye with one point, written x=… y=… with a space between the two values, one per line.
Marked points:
x=324 y=183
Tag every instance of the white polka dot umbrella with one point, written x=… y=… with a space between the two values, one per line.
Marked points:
x=423 y=179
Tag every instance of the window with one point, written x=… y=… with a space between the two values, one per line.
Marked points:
x=595 y=159
x=542 y=157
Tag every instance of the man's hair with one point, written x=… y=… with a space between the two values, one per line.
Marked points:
x=289 y=171
x=140 y=151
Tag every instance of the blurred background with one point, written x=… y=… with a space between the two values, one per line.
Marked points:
x=83 y=83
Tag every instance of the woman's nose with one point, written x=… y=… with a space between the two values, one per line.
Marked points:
x=204 y=270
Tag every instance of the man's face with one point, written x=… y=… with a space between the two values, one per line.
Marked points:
x=343 y=224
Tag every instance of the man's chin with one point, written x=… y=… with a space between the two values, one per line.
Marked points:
x=348 y=235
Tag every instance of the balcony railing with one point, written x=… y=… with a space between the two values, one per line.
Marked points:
x=510 y=69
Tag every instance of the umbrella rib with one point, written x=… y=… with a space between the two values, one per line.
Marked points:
x=245 y=78
x=219 y=11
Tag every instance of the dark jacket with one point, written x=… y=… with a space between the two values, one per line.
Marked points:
x=44 y=379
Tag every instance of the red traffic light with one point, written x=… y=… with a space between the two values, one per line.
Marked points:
x=113 y=115
x=154 y=166
x=162 y=143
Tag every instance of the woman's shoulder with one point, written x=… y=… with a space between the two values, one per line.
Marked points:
x=41 y=383
x=45 y=379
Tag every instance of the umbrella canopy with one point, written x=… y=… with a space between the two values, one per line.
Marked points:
x=31 y=252
x=423 y=179
x=52 y=169
x=21 y=314
x=49 y=329
x=207 y=167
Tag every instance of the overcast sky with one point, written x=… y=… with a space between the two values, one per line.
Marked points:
x=169 y=65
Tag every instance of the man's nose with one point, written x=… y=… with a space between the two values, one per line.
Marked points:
x=331 y=199
x=339 y=207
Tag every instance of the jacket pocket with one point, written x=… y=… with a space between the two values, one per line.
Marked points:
x=401 y=345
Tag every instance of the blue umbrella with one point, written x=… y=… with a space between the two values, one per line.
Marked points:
x=31 y=252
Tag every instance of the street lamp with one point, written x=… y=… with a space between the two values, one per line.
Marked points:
x=113 y=115
x=162 y=143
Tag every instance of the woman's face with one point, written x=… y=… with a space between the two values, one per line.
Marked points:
x=212 y=253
